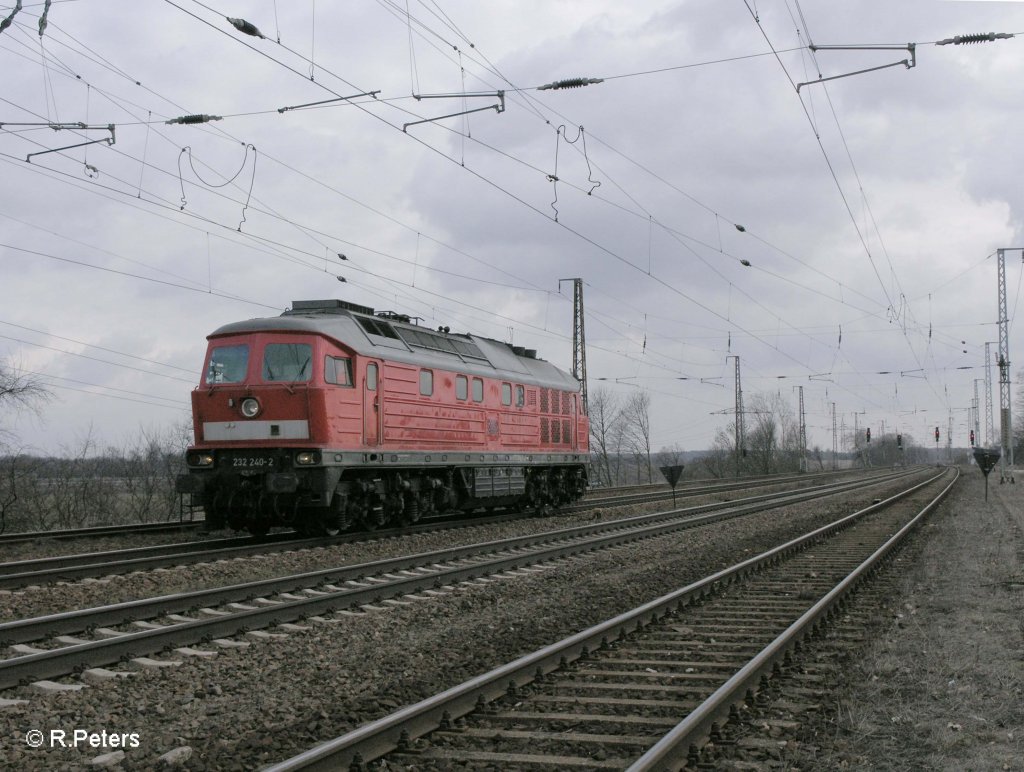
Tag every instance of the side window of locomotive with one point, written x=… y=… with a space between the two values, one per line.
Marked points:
x=228 y=364
x=371 y=377
x=520 y=396
x=426 y=382
x=461 y=387
x=287 y=361
x=338 y=370
x=478 y=390
x=506 y=394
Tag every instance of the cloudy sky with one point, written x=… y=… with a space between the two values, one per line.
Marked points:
x=869 y=207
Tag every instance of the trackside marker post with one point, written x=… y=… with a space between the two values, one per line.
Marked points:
x=987 y=459
x=672 y=474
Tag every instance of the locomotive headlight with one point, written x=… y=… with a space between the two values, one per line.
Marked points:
x=199 y=459
x=250 y=407
x=307 y=458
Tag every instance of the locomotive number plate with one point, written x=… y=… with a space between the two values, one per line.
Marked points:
x=252 y=462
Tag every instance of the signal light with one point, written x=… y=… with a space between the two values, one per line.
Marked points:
x=972 y=438
x=899 y=440
x=867 y=434
x=936 y=433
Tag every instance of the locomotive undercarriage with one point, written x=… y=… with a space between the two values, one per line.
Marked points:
x=329 y=501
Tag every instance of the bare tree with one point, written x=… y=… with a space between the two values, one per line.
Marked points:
x=146 y=470
x=16 y=476
x=20 y=390
x=671 y=455
x=818 y=456
x=637 y=416
x=773 y=437
x=717 y=462
x=604 y=417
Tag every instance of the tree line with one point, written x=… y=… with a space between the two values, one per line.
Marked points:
x=85 y=484
x=89 y=485
x=621 y=453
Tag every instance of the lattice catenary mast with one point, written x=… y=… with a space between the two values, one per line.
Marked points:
x=803 y=432
x=1005 y=419
x=990 y=431
x=579 y=339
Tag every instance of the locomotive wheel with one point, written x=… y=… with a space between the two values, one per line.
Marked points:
x=259 y=527
x=213 y=514
x=329 y=523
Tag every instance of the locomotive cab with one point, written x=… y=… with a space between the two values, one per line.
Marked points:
x=263 y=411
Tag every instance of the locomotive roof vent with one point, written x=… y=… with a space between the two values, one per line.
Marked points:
x=519 y=351
x=530 y=353
x=329 y=306
x=394 y=316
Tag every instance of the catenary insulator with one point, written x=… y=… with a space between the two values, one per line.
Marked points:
x=569 y=83
x=982 y=37
x=194 y=119
x=246 y=26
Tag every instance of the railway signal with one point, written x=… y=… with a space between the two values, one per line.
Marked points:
x=972 y=438
x=672 y=474
x=867 y=435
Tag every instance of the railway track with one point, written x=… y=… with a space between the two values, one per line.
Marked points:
x=46 y=647
x=38 y=571
x=22 y=537
x=648 y=688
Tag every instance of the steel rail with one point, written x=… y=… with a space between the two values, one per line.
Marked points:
x=36 y=628
x=18 y=537
x=170 y=525
x=676 y=747
x=377 y=738
x=91 y=564
x=689 y=491
x=17 y=574
x=510 y=554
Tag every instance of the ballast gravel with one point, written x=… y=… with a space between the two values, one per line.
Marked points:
x=249 y=706
x=36 y=601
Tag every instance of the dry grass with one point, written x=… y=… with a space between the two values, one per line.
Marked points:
x=941 y=686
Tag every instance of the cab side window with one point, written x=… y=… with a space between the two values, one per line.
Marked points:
x=371 y=377
x=506 y=394
x=338 y=370
x=426 y=382
x=461 y=387
x=478 y=390
x=520 y=396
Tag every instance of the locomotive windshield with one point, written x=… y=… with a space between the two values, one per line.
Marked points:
x=228 y=364
x=287 y=361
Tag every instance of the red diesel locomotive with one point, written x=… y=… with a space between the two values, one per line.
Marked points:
x=331 y=417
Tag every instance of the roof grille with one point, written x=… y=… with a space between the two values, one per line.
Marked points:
x=329 y=306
